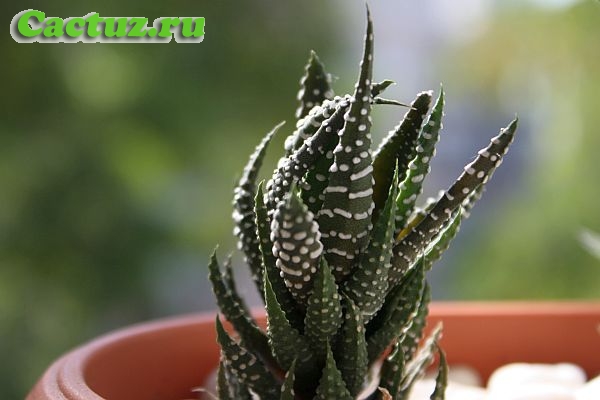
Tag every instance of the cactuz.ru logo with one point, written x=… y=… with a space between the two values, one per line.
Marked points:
x=34 y=26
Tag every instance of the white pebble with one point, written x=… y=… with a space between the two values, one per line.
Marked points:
x=455 y=391
x=462 y=374
x=517 y=374
x=589 y=391
x=539 y=391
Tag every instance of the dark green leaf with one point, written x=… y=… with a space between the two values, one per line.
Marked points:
x=476 y=173
x=297 y=245
x=499 y=147
x=294 y=167
x=411 y=338
x=415 y=369
x=331 y=385
x=243 y=211
x=314 y=184
x=286 y=342
x=345 y=218
x=316 y=180
x=441 y=381
x=379 y=87
x=308 y=125
x=392 y=371
x=229 y=281
x=287 y=389
x=223 y=389
x=441 y=244
x=231 y=305
x=351 y=352
x=412 y=185
x=315 y=86
x=229 y=387
x=381 y=100
x=398 y=149
x=324 y=310
x=246 y=367
x=367 y=284
x=469 y=202
x=283 y=295
x=394 y=318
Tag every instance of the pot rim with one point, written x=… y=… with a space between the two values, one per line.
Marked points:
x=66 y=378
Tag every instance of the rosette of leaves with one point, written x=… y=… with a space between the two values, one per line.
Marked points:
x=339 y=249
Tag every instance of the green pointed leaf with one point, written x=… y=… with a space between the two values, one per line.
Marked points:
x=410 y=286
x=316 y=180
x=345 y=218
x=243 y=213
x=441 y=244
x=324 y=311
x=223 y=389
x=286 y=342
x=287 y=389
x=392 y=371
x=229 y=387
x=379 y=87
x=297 y=246
x=441 y=381
x=316 y=146
x=369 y=281
x=383 y=101
x=395 y=317
x=331 y=385
x=469 y=202
x=395 y=275
x=314 y=184
x=499 y=147
x=398 y=148
x=283 y=295
x=246 y=367
x=414 y=220
x=351 y=352
x=418 y=215
x=416 y=368
x=231 y=305
x=309 y=124
x=412 y=185
x=411 y=338
x=475 y=174
x=315 y=86
x=229 y=281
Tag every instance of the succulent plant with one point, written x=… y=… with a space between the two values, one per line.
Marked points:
x=339 y=249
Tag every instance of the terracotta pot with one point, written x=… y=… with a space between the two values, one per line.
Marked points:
x=163 y=360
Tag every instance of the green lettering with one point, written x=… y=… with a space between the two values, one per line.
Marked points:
x=186 y=29
x=115 y=27
x=137 y=25
x=165 y=26
x=54 y=27
x=23 y=25
x=92 y=25
x=70 y=27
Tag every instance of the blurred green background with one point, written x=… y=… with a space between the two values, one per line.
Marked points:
x=117 y=161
